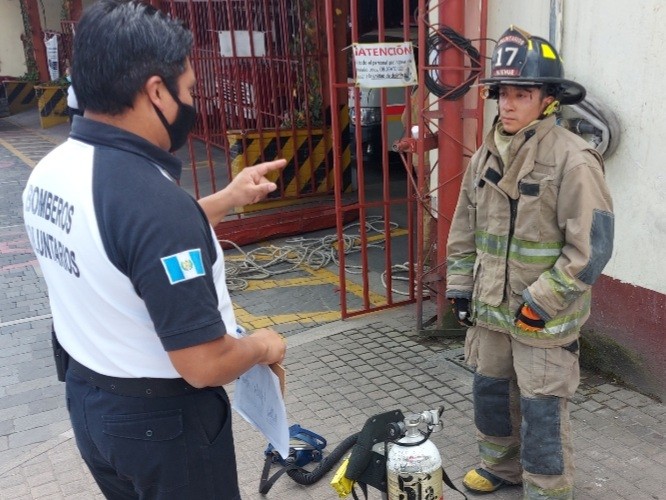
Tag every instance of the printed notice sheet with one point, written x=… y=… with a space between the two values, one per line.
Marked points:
x=258 y=399
x=382 y=65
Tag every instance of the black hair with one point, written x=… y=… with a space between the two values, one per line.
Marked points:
x=118 y=45
x=551 y=90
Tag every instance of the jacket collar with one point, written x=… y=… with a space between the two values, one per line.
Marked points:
x=522 y=154
x=101 y=134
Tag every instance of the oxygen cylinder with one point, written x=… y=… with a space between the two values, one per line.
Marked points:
x=413 y=464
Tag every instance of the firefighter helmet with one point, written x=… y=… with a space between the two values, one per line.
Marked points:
x=525 y=60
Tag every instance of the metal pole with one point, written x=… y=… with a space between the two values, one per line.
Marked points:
x=452 y=14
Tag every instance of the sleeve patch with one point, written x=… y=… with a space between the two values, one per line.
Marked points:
x=184 y=266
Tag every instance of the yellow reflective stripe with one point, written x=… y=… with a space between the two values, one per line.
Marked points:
x=535 y=252
x=545 y=253
x=463 y=266
x=562 y=285
x=495 y=454
x=490 y=243
x=547 y=51
x=498 y=316
x=561 y=326
x=533 y=492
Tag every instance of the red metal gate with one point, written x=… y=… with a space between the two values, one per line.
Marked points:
x=449 y=119
x=260 y=95
x=381 y=273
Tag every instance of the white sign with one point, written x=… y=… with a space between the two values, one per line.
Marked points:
x=52 y=56
x=381 y=65
x=241 y=42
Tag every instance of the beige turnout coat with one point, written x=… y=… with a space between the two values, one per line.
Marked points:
x=539 y=230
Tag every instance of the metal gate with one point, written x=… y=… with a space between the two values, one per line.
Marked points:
x=275 y=78
x=261 y=94
x=451 y=122
x=380 y=272
x=412 y=198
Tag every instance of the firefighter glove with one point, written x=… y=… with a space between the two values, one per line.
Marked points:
x=461 y=310
x=528 y=320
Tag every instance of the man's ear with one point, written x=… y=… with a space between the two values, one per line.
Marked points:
x=154 y=90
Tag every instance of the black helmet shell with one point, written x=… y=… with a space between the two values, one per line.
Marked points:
x=522 y=59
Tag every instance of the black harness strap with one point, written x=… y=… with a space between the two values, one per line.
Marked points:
x=266 y=483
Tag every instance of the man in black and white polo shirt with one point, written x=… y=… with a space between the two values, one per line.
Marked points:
x=135 y=274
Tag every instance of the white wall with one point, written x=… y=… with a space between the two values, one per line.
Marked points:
x=615 y=49
x=12 y=60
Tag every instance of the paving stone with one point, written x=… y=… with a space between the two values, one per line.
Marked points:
x=334 y=384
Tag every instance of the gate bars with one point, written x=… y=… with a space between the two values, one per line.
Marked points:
x=259 y=94
x=390 y=196
x=272 y=82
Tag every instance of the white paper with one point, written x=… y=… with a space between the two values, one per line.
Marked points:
x=257 y=398
x=241 y=42
x=384 y=65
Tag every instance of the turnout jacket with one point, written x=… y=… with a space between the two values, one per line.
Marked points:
x=537 y=231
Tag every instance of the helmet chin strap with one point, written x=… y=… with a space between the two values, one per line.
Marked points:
x=553 y=107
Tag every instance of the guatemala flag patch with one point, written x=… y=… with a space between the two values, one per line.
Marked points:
x=183 y=266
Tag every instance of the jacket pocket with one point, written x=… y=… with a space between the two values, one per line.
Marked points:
x=536 y=207
x=489 y=280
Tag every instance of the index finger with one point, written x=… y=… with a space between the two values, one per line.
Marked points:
x=270 y=166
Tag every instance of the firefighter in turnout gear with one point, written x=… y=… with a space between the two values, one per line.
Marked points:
x=532 y=231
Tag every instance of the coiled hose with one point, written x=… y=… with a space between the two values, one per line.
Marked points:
x=446 y=38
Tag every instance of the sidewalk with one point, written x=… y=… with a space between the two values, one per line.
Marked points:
x=338 y=374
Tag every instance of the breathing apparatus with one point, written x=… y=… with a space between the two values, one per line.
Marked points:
x=391 y=453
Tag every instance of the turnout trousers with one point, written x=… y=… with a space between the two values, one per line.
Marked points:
x=521 y=413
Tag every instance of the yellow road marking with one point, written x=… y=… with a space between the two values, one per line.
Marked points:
x=250 y=320
x=375 y=298
x=17 y=153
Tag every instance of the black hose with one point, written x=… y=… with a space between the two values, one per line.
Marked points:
x=443 y=39
x=301 y=476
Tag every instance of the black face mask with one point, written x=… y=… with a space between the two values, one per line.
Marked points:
x=181 y=126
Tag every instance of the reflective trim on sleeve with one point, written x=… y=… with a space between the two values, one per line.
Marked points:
x=491 y=243
x=464 y=266
x=558 y=327
x=563 y=286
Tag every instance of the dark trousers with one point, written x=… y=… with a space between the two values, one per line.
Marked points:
x=155 y=448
